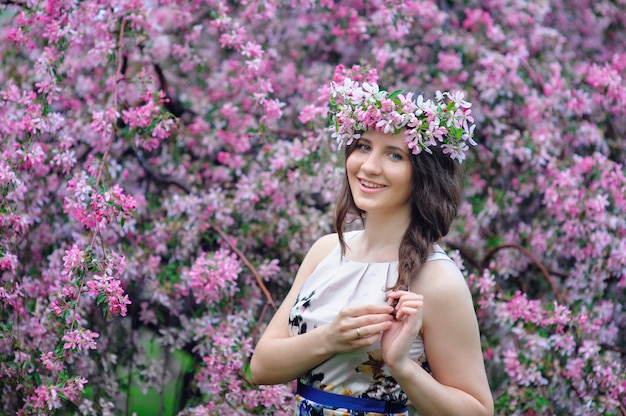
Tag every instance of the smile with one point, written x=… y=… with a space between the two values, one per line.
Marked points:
x=372 y=185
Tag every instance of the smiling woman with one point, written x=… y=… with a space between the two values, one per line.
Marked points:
x=380 y=320
x=379 y=173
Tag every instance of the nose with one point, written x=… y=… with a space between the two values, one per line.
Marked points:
x=371 y=165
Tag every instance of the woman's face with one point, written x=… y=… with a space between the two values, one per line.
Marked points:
x=379 y=173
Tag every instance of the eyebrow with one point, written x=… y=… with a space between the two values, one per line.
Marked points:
x=398 y=149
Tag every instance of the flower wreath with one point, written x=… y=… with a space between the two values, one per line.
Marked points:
x=445 y=122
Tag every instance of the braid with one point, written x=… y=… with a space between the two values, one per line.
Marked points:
x=434 y=203
x=414 y=251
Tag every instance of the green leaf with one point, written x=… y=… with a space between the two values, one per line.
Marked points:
x=394 y=94
x=246 y=372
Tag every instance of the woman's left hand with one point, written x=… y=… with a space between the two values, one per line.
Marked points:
x=396 y=341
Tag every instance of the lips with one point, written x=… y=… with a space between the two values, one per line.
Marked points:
x=370 y=185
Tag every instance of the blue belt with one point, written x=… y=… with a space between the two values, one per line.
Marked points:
x=353 y=403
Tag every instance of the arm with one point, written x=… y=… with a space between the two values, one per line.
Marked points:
x=280 y=358
x=446 y=315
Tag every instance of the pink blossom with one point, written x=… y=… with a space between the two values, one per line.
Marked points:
x=51 y=362
x=147 y=316
x=80 y=339
x=107 y=289
x=8 y=262
x=46 y=398
x=272 y=109
x=519 y=307
x=213 y=276
x=268 y=269
x=74 y=258
x=449 y=61
x=74 y=388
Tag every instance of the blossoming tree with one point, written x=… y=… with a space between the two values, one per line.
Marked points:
x=165 y=164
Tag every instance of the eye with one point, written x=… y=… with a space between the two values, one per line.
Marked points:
x=396 y=156
x=363 y=147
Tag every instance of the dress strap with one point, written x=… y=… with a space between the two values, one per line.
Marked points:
x=348 y=402
x=439 y=254
x=351 y=234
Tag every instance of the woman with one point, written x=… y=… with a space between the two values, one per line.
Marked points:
x=380 y=320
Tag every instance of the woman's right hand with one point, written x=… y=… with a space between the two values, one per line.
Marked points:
x=357 y=327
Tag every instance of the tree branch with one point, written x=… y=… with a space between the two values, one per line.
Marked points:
x=248 y=264
x=174 y=105
x=158 y=176
x=11 y=3
x=465 y=253
x=535 y=261
x=286 y=132
x=615 y=348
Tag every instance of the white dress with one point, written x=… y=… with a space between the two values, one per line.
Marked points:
x=338 y=282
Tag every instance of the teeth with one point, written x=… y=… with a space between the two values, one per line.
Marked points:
x=371 y=184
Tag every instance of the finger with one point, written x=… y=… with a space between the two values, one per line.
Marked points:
x=398 y=293
x=359 y=310
x=406 y=312
x=374 y=329
x=372 y=319
x=347 y=326
x=411 y=303
x=409 y=300
x=394 y=298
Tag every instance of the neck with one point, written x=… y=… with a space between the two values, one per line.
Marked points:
x=381 y=237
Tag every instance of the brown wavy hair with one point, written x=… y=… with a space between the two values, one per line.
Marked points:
x=434 y=198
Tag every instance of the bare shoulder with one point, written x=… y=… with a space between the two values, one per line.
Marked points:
x=326 y=242
x=318 y=251
x=441 y=280
x=323 y=246
x=448 y=302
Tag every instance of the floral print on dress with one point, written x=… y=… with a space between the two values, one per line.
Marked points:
x=384 y=386
x=297 y=325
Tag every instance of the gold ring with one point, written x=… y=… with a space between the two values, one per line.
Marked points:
x=358 y=333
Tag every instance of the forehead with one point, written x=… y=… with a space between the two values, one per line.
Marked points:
x=387 y=139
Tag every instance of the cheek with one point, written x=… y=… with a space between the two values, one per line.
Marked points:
x=406 y=178
x=409 y=180
x=352 y=165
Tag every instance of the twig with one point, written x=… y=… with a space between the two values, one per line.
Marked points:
x=287 y=132
x=248 y=264
x=261 y=317
x=535 y=261
x=465 y=253
x=615 y=348
x=158 y=176
x=118 y=72
x=130 y=365
x=173 y=104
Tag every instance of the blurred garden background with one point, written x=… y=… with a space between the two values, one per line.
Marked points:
x=164 y=165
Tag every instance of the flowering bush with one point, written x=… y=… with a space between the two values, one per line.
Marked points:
x=164 y=166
